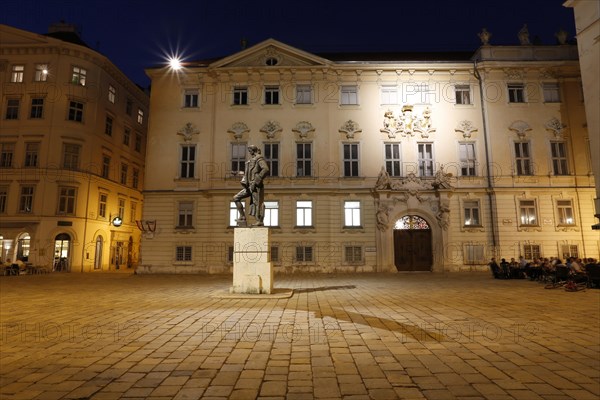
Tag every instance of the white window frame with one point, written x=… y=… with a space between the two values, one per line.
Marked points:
x=304 y=213
x=132 y=211
x=426 y=164
x=183 y=253
x=185 y=214
x=389 y=94
x=71 y=156
x=234 y=214
x=272 y=161
x=560 y=162
x=352 y=214
x=551 y=92
x=272 y=95
x=303 y=162
x=76 y=110
x=304 y=254
x=474 y=253
x=462 y=94
x=468 y=158
x=354 y=255
x=67 y=199
x=351 y=159
x=523 y=164
x=304 y=94
x=472 y=213
x=240 y=96
x=121 y=208
x=532 y=251
x=392 y=153
x=17 y=73
x=238 y=157
x=528 y=213
x=102 y=204
x=41 y=73
x=565 y=212
x=271 y=213
x=187 y=161
x=78 y=75
x=191 y=98
x=124 y=173
x=140 y=116
x=349 y=95
x=516 y=93
x=26 y=198
x=112 y=94
x=106 y=159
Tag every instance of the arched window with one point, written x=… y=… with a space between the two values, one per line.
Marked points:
x=411 y=222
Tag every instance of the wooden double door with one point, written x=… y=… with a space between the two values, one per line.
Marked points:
x=413 y=249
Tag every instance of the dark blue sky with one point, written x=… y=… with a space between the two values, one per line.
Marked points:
x=137 y=34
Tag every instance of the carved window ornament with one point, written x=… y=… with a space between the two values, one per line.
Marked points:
x=188 y=131
x=520 y=127
x=350 y=128
x=466 y=127
x=271 y=128
x=303 y=128
x=556 y=127
x=238 y=129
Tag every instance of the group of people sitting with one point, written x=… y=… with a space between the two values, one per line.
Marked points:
x=13 y=268
x=539 y=267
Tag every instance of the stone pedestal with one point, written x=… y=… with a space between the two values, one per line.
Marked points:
x=252 y=268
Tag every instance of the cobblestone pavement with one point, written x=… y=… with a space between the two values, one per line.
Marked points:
x=388 y=336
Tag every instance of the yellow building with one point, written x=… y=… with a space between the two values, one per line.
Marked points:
x=379 y=162
x=72 y=141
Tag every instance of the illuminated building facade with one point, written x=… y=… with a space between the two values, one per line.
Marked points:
x=72 y=140
x=379 y=162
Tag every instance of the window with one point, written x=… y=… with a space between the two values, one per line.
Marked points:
x=185 y=214
x=78 y=76
x=128 y=107
x=41 y=72
x=240 y=96
x=71 y=156
x=26 y=199
x=462 y=94
x=425 y=159
x=108 y=125
x=303 y=159
x=238 y=157
x=66 y=201
x=234 y=215
x=531 y=251
x=105 y=166
x=392 y=159
x=565 y=212
x=353 y=254
x=137 y=145
x=37 y=108
x=190 y=99
x=187 y=162
x=349 y=95
x=304 y=213
x=303 y=94
x=183 y=253
x=474 y=254
x=12 y=108
x=18 y=73
x=229 y=254
x=304 y=253
x=351 y=213
x=3 y=199
x=516 y=93
x=102 y=205
x=569 y=250
x=467 y=159
x=551 y=92
x=471 y=208
x=271 y=213
x=272 y=95
x=559 y=158
x=122 y=208
x=124 y=171
x=272 y=158
x=350 y=159
x=528 y=213
x=7 y=151
x=132 y=211
x=126 y=136
x=75 y=111
x=522 y=158
x=112 y=94
x=275 y=254
x=389 y=95
x=140 y=116
x=417 y=93
x=32 y=152
x=135 y=182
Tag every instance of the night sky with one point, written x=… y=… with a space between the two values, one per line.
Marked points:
x=136 y=34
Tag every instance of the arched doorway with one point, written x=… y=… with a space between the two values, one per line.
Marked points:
x=412 y=244
x=62 y=245
x=98 y=253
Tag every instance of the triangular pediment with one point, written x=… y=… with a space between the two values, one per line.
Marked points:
x=270 y=53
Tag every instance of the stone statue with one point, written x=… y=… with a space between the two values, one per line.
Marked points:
x=252 y=181
x=524 y=35
x=485 y=36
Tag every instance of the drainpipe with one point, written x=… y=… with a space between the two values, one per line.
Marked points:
x=490 y=186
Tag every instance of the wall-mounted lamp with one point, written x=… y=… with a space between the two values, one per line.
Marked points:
x=117 y=221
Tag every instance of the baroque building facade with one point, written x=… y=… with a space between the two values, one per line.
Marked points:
x=378 y=162
x=72 y=140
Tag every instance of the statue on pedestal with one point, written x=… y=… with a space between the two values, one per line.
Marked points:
x=252 y=181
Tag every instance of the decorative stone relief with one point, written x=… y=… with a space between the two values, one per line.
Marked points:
x=520 y=127
x=524 y=36
x=238 y=129
x=546 y=73
x=484 y=36
x=412 y=183
x=303 y=128
x=188 y=131
x=423 y=125
x=512 y=73
x=271 y=128
x=350 y=128
x=556 y=127
x=466 y=127
x=382 y=214
x=443 y=214
x=561 y=36
x=390 y=125
x=407 y=124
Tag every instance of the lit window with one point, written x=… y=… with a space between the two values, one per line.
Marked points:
x=238 y=157
x=234 y=214
x=425 y=159
x=78 y=76
x=32 y=152
x=349 y=95
x=392 y=159
x=240 y=96
x=26 y=199
x=12 y=108
x=559 y=158
x=462 y=94
x=75 y=111
x=183 y=253
x=303 y=159
x=71 y=156
x=351 y=159
x=551 y=92
x=272 y=95
x=41 y=72
x=516 y=93
x=7 y=151
x=528 y=212
x=66 y=201
x=389 y=95
x=565 y=212
x=522 y=158
x=304 y=213
x=303 y=94
x=352 y=213
x=471 y=209
x=140 y=117
x=190 y=99
x=467 y=159
x=18 y=73
x=271 y=153
x=185 y=214
x=37 y=108
x=271 y=213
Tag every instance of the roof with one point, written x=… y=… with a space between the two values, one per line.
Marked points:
x=70 y=37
